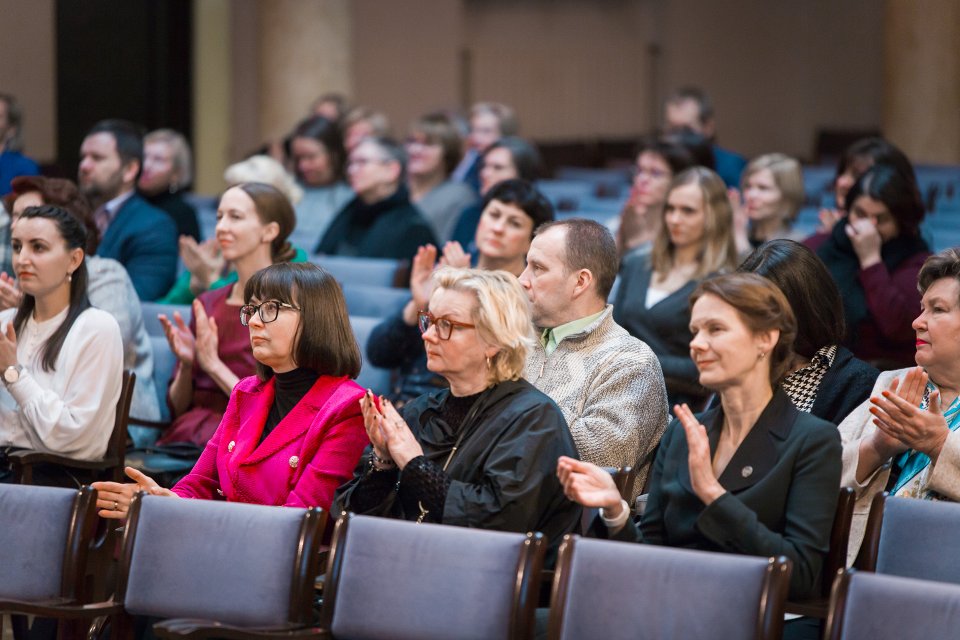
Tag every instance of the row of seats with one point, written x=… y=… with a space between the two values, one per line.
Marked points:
x=247 y=567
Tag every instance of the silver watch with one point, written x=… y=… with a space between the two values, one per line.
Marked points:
x=12 y=373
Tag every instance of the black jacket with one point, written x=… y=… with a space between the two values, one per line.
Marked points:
x=503 y=475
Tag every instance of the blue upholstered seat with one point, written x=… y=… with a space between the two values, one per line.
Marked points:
x=610 y=589
x=919 y=539
x=400 y=580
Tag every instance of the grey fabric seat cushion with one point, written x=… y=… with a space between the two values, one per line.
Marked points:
x=919 y=539
x=34 y=522
x=878 y=604
x=213 y=560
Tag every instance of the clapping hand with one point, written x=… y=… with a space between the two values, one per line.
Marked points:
x=372 y=422
x=8 y=346
x=828 y=219
x=207 y=342
x=705 y=483
x=10 y=294
x=401 y=443
x=589 y=485
x=455 y=256
x=113 y=498
x=202 y=260
x=902 y=424
x=421 y=275
x=179 y=337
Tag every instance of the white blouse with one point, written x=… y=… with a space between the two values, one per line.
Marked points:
x=69 y=410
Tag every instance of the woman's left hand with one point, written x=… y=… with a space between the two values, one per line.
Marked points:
x=8 y=347
x=705 y=483
x=10 y=294
x=922 y=430
x=455 y=256
x=866 y=241
x=402 y=444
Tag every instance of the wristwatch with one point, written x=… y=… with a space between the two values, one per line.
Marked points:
x=12 y=373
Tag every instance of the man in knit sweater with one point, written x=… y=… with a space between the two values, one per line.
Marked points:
x=608 y=384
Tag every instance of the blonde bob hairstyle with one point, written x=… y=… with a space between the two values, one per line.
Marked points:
x=718 y=252
x=502 y=316
x=787 y=175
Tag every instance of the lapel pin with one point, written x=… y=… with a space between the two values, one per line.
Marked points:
x=231 y=446
x=293 y=462
x=746 y=471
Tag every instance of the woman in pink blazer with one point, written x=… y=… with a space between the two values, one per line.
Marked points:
x=293 y=433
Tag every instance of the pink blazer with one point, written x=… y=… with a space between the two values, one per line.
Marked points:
x=313 y=450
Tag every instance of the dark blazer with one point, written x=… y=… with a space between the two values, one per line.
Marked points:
x=782 y=485
x=144 y=240
x=845 y=385
x=664 y=326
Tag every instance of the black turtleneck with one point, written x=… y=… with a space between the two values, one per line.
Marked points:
x=289 y=390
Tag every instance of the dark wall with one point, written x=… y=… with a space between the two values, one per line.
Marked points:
x=126 y=59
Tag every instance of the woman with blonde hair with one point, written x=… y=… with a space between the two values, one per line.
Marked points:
x=771 y=194
x=481 y=453
x=694 y=241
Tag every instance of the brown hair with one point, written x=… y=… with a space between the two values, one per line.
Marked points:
x=945 y=264
x=718 y=252
x=588 y=245
x=60 y=193
x=273 y=206
x=439 y=129
x=762 y=307
x=324 y=342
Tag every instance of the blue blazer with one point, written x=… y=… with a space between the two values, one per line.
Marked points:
x=144 y=240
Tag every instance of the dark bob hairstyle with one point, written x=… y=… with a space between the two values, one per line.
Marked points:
x=324 y=342
x=807 y=284
x=897 y=191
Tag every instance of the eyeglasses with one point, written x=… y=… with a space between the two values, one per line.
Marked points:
x=268 y=310
x=443 y=324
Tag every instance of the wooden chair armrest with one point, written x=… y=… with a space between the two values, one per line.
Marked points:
x=190 y=629
x=61 y=608
x=28 y=457
x=137 y=422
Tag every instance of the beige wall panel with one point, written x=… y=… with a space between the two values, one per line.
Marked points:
x=212 y=123
x=28 y=71
x=406 y=56
x=304 y=51
x=921 y=101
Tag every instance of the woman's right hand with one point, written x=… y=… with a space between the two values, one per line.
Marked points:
x=373 y=423
x=113 y=498
x=202 y=260
x=828 y=220
x=10 y=294
x=589 y=485
x=421 y=275
x=179 y=337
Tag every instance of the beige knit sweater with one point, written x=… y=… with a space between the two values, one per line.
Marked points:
x=610 y=388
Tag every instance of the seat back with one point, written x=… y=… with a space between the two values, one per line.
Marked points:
x=45 y=536
x=248 y=565
x=117 y=446
x=867 y=606
x=919 y=539
x=374 y=301
x=164 y=364
x=358 y=270
x=370 y=377
x=153 y=309
x=605 y=589
x=396 y=579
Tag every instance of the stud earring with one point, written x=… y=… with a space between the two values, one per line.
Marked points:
x=69 y=277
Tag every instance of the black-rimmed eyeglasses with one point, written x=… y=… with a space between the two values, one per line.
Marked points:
x=268 y=310
x=443 y=325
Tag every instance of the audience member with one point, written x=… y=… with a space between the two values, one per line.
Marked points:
x=138 y=235
x=108 y=284
x=333 y=106
x=904 y=439
x=694 y=241
x=205 y=265
x=12 y=161
x=61 y=359
x=481 y=453
x=214 y=352
x=318 y=156
x=658 y=161
x=824 y=378
x=691 y=108
x=508 y=158
x=874 y=257
x=167 y=173
x=753 y=476
x=608 y=384
x=433 y=149
x=514 y=208
x=856 y=160
x=361 y=123
x=770 y=197
x=292 y=434
x=489 y=122
x=380 y=222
